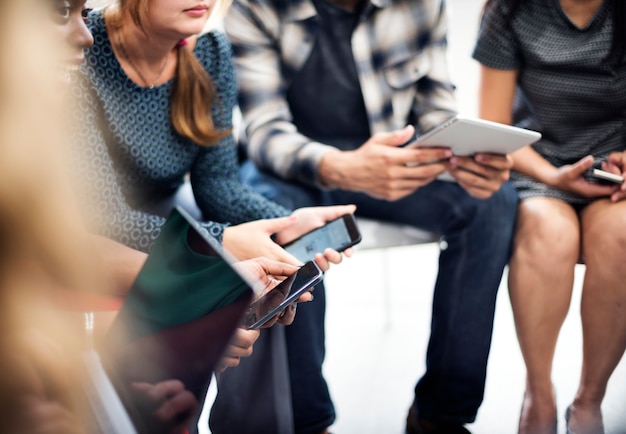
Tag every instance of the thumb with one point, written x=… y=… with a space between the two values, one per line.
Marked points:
x=396 y=137
x=581 y=166
x=272 y=226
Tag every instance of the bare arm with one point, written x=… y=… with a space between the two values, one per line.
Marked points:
x=496 y=95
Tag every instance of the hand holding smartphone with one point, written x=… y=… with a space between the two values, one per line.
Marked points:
x=281 y=296
x=338 y=234
x=599 y=176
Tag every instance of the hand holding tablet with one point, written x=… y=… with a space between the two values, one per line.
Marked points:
x=466 y=136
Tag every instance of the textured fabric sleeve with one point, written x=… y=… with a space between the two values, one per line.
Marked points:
x=215 y=174
x=496 y=46
x=274 y=142
x=108 y=211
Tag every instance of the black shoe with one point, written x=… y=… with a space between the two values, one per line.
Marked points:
x=415 y=425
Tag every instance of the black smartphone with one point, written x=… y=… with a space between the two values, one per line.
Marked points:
x=338 y=234
x=281 y=296
x=599 y=176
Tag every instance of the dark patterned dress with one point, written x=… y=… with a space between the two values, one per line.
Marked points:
x=566 y=89
x=130 y=156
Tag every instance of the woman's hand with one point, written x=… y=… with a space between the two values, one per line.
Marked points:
x=253 y=239
x=240 y=346
x=309 y=218
x=169 y=403
x=616 y=163
x=570 y=178
x=481 y=175
x=271 y=273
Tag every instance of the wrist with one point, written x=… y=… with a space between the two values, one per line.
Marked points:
x=328 y=170
x=549 y=177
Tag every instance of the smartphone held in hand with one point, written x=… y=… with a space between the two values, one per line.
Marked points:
x=338 y=234
x=283 y=295
x=599 y=176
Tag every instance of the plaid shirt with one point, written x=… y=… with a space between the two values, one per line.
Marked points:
x=399 y=49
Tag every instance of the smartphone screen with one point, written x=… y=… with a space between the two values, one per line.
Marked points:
x=337 y=234
x=285 y=293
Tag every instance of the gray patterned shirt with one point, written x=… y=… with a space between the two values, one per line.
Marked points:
x=565 y=88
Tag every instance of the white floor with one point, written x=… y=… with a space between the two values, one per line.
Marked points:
x=376 y=347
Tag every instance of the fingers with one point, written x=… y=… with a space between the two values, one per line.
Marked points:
x=287 y=316
x=331 y=256
x=616 y=163
x=276 y=268
x=394 y=138
x=241 y=345
x=172 y=401
x=328 y=213
x=160 y=391
x=497 y=162
x=580 y=167
x=418 y=156
x=619 y=195
x=305 y=297
x=178 y=407
x=272 y=226
x=418 y=171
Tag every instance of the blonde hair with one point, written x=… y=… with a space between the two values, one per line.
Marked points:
x=193 y=94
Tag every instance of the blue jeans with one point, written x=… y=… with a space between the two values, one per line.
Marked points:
x=478 y=234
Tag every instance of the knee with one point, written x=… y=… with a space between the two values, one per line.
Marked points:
x=543 y=237
x=604 y=235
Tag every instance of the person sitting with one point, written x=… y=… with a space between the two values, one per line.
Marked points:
x=558 y=67
x=330 y=90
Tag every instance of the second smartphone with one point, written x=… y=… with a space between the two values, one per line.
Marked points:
x=338 y=234
x=281 y=296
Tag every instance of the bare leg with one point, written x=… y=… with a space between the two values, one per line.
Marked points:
x=603 y=310
x=541 y=275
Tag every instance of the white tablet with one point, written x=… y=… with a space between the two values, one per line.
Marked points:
x=467 y=136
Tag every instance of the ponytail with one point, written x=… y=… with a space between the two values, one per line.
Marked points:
x=193 y=92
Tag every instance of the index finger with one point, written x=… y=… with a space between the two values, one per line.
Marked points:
x=276 y=268
x=415 y=156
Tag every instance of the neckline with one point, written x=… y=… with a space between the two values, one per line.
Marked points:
x=592 y=21
x=118 y=66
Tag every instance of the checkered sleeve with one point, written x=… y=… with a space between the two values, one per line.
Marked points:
x=274 y=143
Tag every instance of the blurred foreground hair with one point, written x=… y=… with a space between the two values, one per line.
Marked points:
x=42 y=240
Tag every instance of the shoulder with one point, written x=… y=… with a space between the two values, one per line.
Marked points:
x=214 y=51
x=213 y=45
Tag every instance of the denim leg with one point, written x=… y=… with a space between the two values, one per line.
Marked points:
x=478 y=234
x=479 y=238
x=313 y=409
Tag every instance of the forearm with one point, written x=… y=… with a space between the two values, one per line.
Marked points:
x=530 y=163
x=221 y=195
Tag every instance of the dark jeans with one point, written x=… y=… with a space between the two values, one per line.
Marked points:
x=478 y=234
